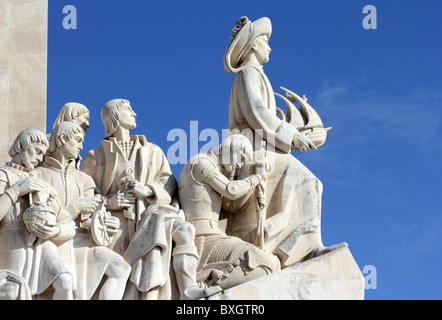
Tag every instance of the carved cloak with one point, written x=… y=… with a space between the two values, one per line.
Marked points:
x=108 y=165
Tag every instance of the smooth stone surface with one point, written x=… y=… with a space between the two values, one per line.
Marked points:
x=332 y=276
x=23 y=68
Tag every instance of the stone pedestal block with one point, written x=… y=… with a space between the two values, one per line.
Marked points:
x=332 y=276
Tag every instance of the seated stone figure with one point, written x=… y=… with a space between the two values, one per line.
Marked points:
x=291 y=227
x=33 y=250
x=224 y=260
x=93 y=263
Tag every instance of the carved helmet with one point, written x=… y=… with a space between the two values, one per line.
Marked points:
x=242 y=35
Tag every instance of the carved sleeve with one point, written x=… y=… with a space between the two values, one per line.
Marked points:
x=206 y=172
x=258 y=114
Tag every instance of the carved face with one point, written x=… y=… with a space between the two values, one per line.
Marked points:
x=71 y=149
x=262 y=49
x=83 y=121
x=126 y=117
x=33 y=156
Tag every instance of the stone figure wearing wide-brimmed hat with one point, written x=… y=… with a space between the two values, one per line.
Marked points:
x=291 y=227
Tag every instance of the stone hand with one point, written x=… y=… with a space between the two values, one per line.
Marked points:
x=112 y=223
x=45 y=231
x=302 y=142
x=138 y=189
x=89 y=205
x=120 y=200
x=27 y=185
x=264 y=167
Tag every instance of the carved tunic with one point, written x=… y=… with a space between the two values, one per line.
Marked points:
x=252 y=106
x=108 y=165
x=41 y=263
x=72 y=185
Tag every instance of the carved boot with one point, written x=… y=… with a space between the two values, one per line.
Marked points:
x=185 y=263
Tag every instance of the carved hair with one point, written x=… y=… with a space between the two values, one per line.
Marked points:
x=235 y=143
x=25 y=139
x=109 y=115
x=70 y=112
x=62 y=133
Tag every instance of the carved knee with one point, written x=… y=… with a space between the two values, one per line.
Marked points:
x=184 y=233
x=64 y=282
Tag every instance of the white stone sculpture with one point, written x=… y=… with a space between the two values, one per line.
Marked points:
x=224 y=260
x=290 y=227
x=74 y=112
x=13 y=286
x=77 y=113
x=35 y=252
x=154 y=238
x=93 y=263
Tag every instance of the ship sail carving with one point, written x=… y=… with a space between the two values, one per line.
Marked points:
x=305 y=119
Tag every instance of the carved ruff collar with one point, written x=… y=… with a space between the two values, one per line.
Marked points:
x=17 y=167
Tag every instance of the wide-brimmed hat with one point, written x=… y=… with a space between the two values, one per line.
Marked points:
x=242 y=35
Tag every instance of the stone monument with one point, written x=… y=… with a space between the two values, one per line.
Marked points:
x=242 y=222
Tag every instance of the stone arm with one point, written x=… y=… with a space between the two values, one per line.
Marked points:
x=93 y=166
x=7 y=199
x=9 y=195
x=164 y=186
x=160 y=187
x=65 y=222
x=259 y=116
x=206 y=173
x=85 y=216
x=67 y=230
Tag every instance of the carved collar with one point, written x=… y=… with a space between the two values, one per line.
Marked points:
x=52 y=162
x=17 y=167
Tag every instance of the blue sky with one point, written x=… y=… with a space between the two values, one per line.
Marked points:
x=380 y=90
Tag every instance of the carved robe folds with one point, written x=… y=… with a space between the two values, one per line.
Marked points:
x=108 y=165
x=91 y=260
x=43 y=261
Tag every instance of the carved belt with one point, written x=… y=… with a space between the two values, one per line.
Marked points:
x=13 y=225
